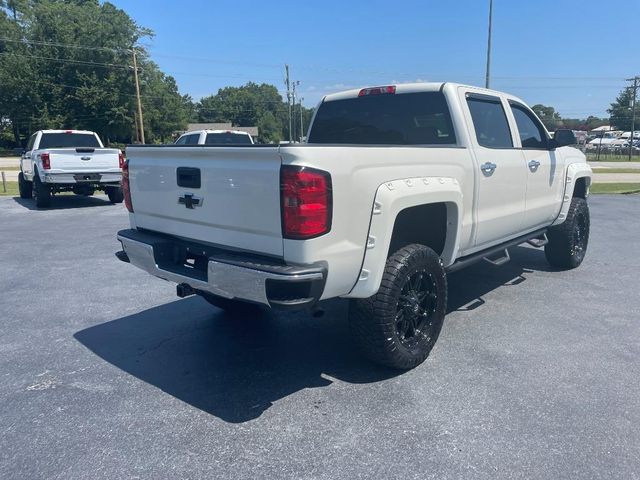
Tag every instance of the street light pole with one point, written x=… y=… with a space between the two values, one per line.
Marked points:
x=488 y=72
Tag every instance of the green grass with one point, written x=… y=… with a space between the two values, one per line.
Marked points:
x=615 y=188
x=616 y=170
x=12 y=189
x=593 y=157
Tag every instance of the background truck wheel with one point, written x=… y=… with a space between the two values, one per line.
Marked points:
x=41 y=192
x=24 y=187
x=235 y=308
x=115 y=194
x=568 y=241
x=399 y=325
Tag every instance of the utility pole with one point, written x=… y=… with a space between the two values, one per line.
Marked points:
x=301 y=121
x=634 y=91
x=288 y=84
x=293 y=101
x=135 y=75
x=488 y=73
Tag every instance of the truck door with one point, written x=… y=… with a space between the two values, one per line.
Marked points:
x=26 y=162
x=545 y=167
x=501 y=175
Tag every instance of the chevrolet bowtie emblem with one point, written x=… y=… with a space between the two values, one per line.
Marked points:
x=189 y=201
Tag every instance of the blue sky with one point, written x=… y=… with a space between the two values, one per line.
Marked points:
x=573 y=55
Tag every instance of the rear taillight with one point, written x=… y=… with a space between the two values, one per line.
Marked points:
x=126 y=191
x=306 y=200
x=121 y=160
x=46 y=161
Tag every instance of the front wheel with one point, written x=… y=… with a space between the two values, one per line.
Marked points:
x=568 y=241
x=41 y=192
x=24 y=187
x=398 y=326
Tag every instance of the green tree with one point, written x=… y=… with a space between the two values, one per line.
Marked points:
x=67 y=64
x=252 y=104
x=620 y=111
x=550 y=118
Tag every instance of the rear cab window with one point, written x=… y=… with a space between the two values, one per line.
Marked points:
x=68 y=140
x=489 y=121
x=419 y=118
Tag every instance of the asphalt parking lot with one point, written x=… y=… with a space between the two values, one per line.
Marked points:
x=105 y=373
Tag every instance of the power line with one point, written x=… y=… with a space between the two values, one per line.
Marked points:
x=68 y=60
x=66 y=45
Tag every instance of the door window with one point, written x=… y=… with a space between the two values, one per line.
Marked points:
x=31 y=142
x=188 y=139
x=489 y=121
x=532 y=133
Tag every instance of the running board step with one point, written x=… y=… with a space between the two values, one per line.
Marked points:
x=499 y=261
x=539 y=241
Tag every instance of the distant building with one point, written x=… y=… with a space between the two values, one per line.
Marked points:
x=253 y=131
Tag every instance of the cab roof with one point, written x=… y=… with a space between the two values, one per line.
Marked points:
x=413 y=88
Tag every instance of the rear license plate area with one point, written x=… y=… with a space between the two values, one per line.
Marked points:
x=182 y=260
x=87 y=177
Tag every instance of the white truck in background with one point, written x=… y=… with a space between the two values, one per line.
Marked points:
x=397 y=186
x=69 y=161
x=215 y=137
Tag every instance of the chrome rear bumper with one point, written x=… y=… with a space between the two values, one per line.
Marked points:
x=222 y=273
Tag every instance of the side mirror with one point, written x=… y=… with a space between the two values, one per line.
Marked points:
x=563 y=137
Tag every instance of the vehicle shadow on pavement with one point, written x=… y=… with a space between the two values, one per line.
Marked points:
x=468 y=286
x=233 y=368
x=64 y=202
x=236 y=368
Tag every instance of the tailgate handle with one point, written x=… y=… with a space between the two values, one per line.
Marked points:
x=85 y=150
x=188 y=177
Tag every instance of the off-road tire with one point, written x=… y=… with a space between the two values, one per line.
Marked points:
x=235 y=308
x=376 y=323
x=115 y=194
x=24 y=187
x=41 y=192
x=568 y=241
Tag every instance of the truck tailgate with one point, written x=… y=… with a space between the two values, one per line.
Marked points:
x=227 y=196
x=84 y=159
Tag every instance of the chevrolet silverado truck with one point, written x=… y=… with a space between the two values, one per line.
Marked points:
x=69 y=161
x=396 y=187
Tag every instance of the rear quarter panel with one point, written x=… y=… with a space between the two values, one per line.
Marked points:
x=357 y=172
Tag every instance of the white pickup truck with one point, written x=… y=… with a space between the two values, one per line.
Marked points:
x=69 y=160
x=397 y=186
x=215 y=137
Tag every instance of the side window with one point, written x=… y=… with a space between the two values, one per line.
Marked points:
x=532 y=134
x=192 y=139
x=182 y=140
x=31 y=142
x=489 y=121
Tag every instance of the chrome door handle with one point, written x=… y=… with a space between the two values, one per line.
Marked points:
x=533 y=165
x=488 y=168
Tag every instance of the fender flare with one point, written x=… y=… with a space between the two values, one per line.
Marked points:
x=575 y=171
x=393 y=197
